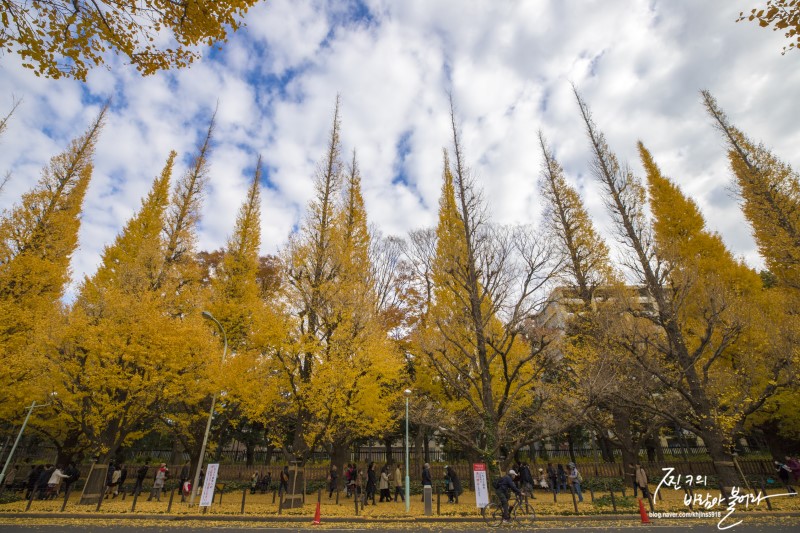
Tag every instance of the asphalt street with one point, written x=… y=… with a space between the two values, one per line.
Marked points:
x=467 y=528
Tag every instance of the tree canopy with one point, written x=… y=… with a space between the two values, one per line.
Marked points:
x=66 y=38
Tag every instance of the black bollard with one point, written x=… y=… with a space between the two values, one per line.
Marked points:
x=30 y=499
x=574 y=500
x=220 y=497
x=337 y=496
x=613 y=500
x=244 y=497
x=555 y=497
x=171 y=496
x=66 y=497
x=691 y=505
x=764 y=492
x=591 y=493
x=280 y=505
x=438 y=500
x=355 y=501
x=124 y=493
x=135 y=497
x=319 y=496
x=650 y=501
x=100 y=501
x=623 y=491
x=274 y=492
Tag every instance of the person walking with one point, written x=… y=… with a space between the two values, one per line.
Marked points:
x=266 y=481
x=349 y=480
x=11 y=477
x=527 y=478
x=398 y=484
x=794 y=466
x=284 y=482
x=358 y=489
x=641 y=481
x=254 y=482
x=453 y=484
x=33 y=478
x=113 y=486
x=54 y=482
x=427 y=481
x=575 y=480
x=333 y=476
x=43 y=480
x=123 y=475
x=383 y=484
x=73 y=473
x=562 y=477
x=552 y=475
x=784 y=472
x=372 y=483
x=158 y=483
x=185 y=476
x=141 y=473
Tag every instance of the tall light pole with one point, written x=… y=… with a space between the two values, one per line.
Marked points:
x=19 y=437
x=407 y=394
x=208 y=316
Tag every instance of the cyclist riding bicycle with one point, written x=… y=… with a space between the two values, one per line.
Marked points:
x=504 y=485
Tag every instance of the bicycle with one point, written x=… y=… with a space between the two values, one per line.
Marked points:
x=519 y=511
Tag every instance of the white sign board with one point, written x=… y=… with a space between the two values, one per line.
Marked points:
x=209 y=483
x=481 y=485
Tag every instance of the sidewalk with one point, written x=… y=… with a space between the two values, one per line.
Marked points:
x=353 y=520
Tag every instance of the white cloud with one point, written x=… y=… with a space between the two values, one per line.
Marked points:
x=508 y=65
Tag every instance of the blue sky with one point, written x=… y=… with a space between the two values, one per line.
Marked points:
x=509 y=66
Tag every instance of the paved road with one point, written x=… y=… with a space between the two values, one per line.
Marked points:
x=754 y=527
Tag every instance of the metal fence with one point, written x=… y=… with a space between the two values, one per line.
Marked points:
x=397 y=454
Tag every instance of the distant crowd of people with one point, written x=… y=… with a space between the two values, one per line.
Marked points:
x=48 y=481
x=42 y=482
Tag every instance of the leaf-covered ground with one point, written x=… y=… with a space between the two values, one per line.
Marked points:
x=263 y=505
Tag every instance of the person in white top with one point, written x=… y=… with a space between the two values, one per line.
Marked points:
x=54 y=482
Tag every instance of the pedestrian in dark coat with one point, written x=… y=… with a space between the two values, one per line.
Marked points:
x=553 y=476
x=427 y=481
x=784 y=472
x=372 y=482
x=453 y=484
x=185 y=476
x=43 y=479
x=562 y=477
x=123 y=475
x=333 y=476
x=33 y=477
x=141 y=473
x=73 y=473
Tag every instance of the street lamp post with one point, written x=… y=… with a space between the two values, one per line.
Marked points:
x=208 y=316
x=407 y=394
x=19 y=437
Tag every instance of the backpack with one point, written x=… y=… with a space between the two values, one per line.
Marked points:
x=496 y=483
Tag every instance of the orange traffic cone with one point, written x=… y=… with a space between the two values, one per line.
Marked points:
x=645 y=518
x=316 y=521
